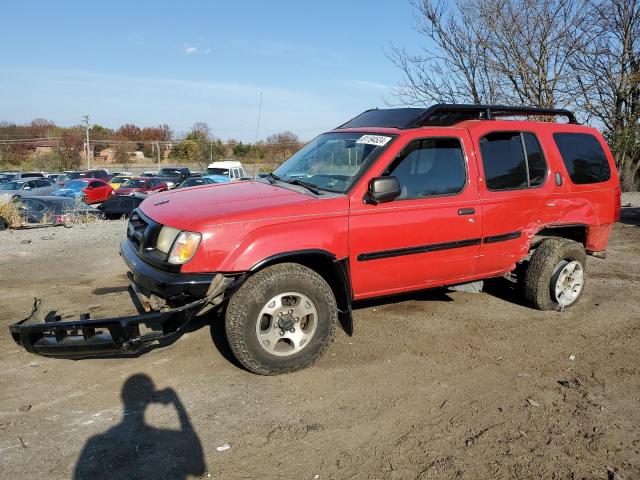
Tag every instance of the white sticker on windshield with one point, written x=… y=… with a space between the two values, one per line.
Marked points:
x=378 y=140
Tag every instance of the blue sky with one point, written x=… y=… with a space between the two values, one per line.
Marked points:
x=317 y=63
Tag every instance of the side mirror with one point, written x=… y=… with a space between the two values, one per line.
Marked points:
x=26 y=187
x=382 y=189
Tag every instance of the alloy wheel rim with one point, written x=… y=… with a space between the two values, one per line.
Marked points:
x=286 y=324
x=568 y=282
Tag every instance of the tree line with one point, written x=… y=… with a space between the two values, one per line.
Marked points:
x=578 y=54
x=19 y=144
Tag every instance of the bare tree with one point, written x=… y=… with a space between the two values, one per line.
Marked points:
x=608 y=75
x=492 y=51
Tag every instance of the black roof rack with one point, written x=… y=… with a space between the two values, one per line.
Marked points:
x=447 y=114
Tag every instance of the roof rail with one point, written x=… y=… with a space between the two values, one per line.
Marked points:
x=447 y=114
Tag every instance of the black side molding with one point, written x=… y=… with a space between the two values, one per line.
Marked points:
x=502 y=238
x=434 y=247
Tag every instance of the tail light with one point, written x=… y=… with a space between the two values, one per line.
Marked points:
x=617 y=204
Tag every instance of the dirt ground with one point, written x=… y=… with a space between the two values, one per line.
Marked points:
x=432 y=385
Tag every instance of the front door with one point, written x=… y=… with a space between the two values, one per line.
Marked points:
x=431 y=234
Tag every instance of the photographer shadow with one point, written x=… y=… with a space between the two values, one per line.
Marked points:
x=134 y=450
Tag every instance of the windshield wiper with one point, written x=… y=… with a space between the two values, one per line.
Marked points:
x=272 y=177
x=312 y=187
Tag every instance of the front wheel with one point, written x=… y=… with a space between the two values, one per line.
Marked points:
x=556 y=274
x=281 y=320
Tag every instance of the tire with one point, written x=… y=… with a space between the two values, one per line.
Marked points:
x=255 y=337
x=546 y=271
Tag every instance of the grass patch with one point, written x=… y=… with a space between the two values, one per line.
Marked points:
x=10 y=214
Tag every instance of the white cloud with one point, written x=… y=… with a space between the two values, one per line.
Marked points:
x=374 y=85
x=190 y=49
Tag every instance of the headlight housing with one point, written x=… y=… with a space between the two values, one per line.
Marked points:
x=184 y=247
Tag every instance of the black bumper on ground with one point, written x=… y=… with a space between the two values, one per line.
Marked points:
x=47 y=334
x=85 y=337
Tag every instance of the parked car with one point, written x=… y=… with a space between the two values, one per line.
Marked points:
x=56 y=210
x=172 y=176
x=22 y=175
x=142 y=185
x=87 y=190
x=231 y=169
x=118 y=181
x=98 y=173
x=61 y=179
x=27 y=187
x=392 y=201
x=119 y=206
x=149 y=173
x=208 y=180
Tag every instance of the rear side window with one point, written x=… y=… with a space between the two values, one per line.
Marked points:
x=583 y=156
x=428 y=167
x=512 y=160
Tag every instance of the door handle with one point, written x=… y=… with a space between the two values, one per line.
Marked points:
x=466 y=211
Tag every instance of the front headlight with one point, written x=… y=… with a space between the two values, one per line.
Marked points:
x=184 y=247
x=165 y=238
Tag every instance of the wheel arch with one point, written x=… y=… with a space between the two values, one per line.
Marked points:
x=335 y=272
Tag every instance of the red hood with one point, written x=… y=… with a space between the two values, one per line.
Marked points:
x=198 y=207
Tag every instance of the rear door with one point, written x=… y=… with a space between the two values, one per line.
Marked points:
x=516 y=189
x=428 y=236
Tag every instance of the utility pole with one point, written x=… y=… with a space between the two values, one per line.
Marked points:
x=158 y=148
x=85 y=120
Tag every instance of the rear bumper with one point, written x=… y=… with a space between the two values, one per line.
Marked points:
x=167 y=285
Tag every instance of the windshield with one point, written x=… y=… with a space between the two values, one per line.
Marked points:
x=74 y=175
x=118 y=179
x=331 y=161
x=168 y=172
x=12 y=186
x=76 y=184
x=217 y=171
x=135 y=183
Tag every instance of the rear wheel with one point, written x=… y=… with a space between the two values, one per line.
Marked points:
x=281 y=320
x=556 y=274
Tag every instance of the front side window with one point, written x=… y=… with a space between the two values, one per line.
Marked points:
x=332 y=161
x=429 y=167
x=512 y=160
x=583 y=156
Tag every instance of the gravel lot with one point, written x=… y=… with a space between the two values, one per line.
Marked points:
x=432 y=385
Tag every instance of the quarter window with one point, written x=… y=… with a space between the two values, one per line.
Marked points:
x=583 y=156
x=428 y=167
x=512 y=160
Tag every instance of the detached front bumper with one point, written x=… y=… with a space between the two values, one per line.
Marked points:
x=50 y=336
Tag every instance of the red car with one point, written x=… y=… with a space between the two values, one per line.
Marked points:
x=392 y=201
x=146 y=185
x=88 y=190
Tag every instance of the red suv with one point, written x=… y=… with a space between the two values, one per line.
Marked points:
x=392 y=201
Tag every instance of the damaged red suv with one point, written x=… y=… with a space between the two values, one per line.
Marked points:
x=392 y=201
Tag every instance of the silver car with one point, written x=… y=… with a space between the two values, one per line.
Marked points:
x=27 y=187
